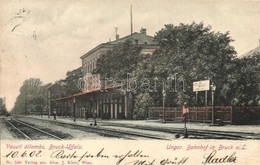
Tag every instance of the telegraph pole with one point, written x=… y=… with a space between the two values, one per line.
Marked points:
x=25 y=103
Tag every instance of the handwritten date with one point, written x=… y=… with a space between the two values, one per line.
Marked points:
x=24 y=154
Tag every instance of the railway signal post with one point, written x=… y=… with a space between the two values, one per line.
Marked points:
x=185 y=111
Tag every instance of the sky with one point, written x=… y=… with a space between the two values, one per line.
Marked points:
x=45 y=39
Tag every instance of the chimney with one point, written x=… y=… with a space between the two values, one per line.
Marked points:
x=143 y=31
x=117 y=36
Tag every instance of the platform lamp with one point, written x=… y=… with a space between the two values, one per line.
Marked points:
x=164 y=97
x=74 y=109
x=213 y=89
x=95 y=113
x=185 y=111
x=42 y=110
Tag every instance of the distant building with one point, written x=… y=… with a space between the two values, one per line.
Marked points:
x=56 y=92
x=92 y=100
x=251 y=52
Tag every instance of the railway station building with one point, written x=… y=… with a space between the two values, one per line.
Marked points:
x=95 y=98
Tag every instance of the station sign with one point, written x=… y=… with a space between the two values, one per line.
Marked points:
x=201 y=86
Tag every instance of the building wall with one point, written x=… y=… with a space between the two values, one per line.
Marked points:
x=92 y=100
x=106 y=104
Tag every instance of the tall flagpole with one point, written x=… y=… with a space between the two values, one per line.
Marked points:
x=131 y=17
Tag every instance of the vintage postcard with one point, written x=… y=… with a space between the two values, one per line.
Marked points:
x=110 y=82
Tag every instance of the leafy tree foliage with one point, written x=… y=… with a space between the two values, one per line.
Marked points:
x=118 y=62
x=67 y=86
x=243 y=87
x=3 y=110
x=124 y=59
x=32 y=97
x=71 y=81
x=186 y=53
x=193 y=52
x=58 y=89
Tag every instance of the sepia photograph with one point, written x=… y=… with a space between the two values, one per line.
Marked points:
x=129 y=82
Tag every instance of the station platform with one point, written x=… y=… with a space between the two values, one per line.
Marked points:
x=157 y=124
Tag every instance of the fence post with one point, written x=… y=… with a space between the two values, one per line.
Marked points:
x=231 y=115
x=151 y=111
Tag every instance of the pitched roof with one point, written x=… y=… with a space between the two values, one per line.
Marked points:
x=139 y=38
x=251 y=52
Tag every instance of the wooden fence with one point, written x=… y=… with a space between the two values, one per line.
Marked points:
x=196 y=114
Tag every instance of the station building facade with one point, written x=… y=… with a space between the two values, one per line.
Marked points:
x=96 y=99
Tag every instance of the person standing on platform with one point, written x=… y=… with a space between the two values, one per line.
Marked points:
x=54 y=113
x=185 y=112
x=86 y=113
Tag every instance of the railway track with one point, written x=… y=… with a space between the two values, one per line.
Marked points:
x=196 y=134
x=110 y=132
x=29 y=132
x=115 y=131
x=128 y=134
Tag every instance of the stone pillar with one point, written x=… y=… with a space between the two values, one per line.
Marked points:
x=98 y=102
x=111 y=108
x=116 y=105
x=126 y=106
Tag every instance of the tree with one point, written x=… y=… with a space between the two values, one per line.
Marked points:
x=31 y=98
x=118 y=64
x=243 y=87
x=120 y=61
x=71 y=81
x=193 y=52
x=3 y=110
x=186 y=53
